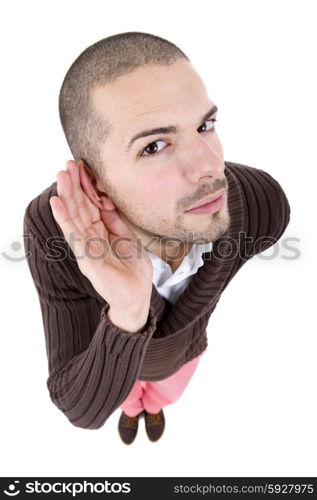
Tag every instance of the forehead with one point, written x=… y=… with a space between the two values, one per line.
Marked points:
x=152 y=94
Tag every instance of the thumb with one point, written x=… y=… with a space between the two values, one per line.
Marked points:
x=115 y=224
x=123 y=241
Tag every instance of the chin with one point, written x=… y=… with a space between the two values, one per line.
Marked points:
x=218 y=226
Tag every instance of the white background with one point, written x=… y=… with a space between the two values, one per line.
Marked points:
x=250 y=409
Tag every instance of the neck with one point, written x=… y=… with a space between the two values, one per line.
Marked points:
x=171 y=252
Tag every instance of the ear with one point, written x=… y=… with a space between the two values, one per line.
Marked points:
x=89 y=183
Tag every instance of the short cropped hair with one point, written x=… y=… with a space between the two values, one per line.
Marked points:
x=100 y=63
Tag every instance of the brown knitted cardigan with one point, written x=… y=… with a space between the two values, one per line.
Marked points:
x=93 y=364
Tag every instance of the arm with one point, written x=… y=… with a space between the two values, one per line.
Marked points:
x=92 y=363
x=267 y=210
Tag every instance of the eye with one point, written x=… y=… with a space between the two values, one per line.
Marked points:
x=211 y=125
x=151 y=148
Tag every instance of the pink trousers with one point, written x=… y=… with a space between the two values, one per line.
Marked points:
x=152 y=396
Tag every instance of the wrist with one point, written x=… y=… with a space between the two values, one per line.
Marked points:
x=130 y=322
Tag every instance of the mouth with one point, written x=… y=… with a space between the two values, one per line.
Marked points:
x=208 y=204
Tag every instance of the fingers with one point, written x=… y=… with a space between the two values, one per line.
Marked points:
x=65 y=193
x=79 y=208
x=68 y=227
x=76 y=214
x=79 y=194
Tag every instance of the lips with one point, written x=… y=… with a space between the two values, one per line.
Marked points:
x=206 y=199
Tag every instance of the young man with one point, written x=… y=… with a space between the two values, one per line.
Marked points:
x=133 y=245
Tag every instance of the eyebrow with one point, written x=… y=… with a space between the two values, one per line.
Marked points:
x=170 y=129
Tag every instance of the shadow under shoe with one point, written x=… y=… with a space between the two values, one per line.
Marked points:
x=128 y=427
x=154 y=424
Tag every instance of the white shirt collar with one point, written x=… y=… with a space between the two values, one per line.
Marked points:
x=162 y=272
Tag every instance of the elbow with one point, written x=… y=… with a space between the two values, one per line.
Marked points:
x=82 y=424
x=85 y=420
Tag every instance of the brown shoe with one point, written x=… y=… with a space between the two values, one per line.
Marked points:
x=128 y=427
x=154 y=424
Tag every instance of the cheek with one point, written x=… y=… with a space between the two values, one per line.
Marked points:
x=217 y=145
x=157 y=192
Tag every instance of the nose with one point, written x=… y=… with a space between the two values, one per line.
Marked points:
x=202 y=159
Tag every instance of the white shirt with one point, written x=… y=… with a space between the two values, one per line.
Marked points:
x=170 y=285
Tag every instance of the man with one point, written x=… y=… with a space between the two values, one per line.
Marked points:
x=133 y=245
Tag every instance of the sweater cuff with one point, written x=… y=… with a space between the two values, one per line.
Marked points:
x=148 y=328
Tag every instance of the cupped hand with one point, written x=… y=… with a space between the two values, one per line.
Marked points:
x=108 y=252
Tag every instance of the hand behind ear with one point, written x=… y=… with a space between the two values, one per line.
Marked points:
x=107 y=251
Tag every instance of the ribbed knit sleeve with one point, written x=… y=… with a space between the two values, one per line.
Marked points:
x=92 y=364
x=266 y=209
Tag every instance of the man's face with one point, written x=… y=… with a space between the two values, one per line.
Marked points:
x=155 y=179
